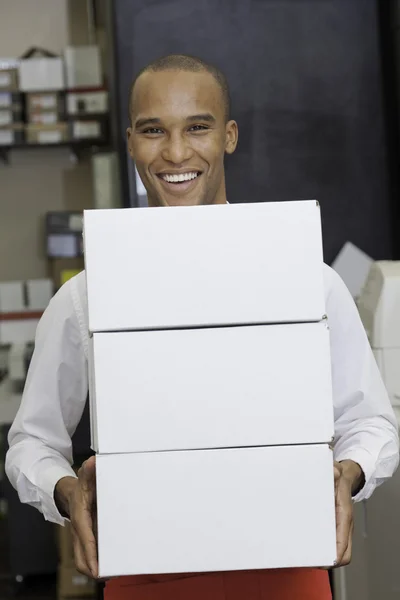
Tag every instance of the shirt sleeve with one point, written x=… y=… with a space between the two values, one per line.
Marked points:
x=40 y=447
x=366 y=428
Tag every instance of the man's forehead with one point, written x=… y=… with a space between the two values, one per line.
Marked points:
x=177 y=90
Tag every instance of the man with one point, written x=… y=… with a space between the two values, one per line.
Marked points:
x=180 y=131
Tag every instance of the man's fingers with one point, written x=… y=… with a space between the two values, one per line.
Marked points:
x=87 y=475
x=83 y=527
x=344 y=520
x=80 y=561
x=347 y=555
x=344 y=530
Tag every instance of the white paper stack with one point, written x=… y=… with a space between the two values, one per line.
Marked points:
x=210 y=387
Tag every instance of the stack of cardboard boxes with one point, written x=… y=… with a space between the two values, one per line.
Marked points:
x=86 y=99
x=71 y=583
x=11 y=125
x=210 y=387
x=42 y=79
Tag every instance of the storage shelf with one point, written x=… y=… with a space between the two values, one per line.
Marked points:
x=76 y=146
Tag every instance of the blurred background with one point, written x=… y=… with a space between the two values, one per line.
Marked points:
x=315 y=90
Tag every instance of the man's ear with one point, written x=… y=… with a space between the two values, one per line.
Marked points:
x=129 y=141
x=232 y=136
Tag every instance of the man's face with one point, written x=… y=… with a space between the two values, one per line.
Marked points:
x=179 y=136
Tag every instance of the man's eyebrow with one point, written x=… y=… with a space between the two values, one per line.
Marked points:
x=203 y=117
x=147 y=121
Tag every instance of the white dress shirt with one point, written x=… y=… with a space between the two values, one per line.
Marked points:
x=56 y=389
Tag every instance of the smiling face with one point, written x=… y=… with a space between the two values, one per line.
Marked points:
x=179 y=136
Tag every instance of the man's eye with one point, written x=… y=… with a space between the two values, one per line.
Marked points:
x=153 y=131
x=198 y=128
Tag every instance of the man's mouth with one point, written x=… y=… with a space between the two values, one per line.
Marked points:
x=179 y=178
x=179 y=182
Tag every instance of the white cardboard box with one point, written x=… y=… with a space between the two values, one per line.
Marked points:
x=215 y=510
x=36 y=74
x=39 y=293
x=218 y=387
x=204 y=265
x=12 y=296
x=87 y=102
x=83 y=66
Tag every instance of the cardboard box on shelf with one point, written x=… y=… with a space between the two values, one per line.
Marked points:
x=88 y=129
x=72 y=584
x=10 y=100
x=87 y=102
x=12 y=134
x=46 y=134
x=44 y=117
x=8 y=116
x=9 y=74
x=83 y=66
x=12 y=297
x=42 y=73
x=219 y=508
x=48 y=101
x=218 y=387
x=38 y=293
x=212 y=265
x=9 y=80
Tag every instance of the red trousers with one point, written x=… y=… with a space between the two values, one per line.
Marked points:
x=282 y=584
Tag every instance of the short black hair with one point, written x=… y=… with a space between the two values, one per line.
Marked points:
x=185 y=62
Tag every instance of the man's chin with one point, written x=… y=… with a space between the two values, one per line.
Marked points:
x=176 y=201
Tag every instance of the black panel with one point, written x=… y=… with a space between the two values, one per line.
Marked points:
x=31 y=542
x=306 y=87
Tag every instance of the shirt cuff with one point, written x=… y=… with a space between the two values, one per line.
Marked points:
x=49 y=480
x=367 y=464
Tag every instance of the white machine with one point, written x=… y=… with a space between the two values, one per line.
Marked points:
x=379 y=307
x=374 y=571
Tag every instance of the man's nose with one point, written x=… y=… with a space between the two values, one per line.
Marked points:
x=177 y=149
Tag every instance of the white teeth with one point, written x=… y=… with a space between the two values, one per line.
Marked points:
x=180 y=177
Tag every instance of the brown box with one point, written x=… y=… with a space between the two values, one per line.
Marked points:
x=72 y=584
x=46 y=134
x=65 y=545
x=87 y=129
x=43 y=101
x=45 y=117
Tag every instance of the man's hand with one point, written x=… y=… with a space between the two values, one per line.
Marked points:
x=348 y=480
x=76 y=498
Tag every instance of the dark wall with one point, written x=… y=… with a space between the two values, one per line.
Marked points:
x=307 y=94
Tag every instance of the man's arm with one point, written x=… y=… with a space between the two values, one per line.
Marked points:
x=366 y=430
x=55 y=393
